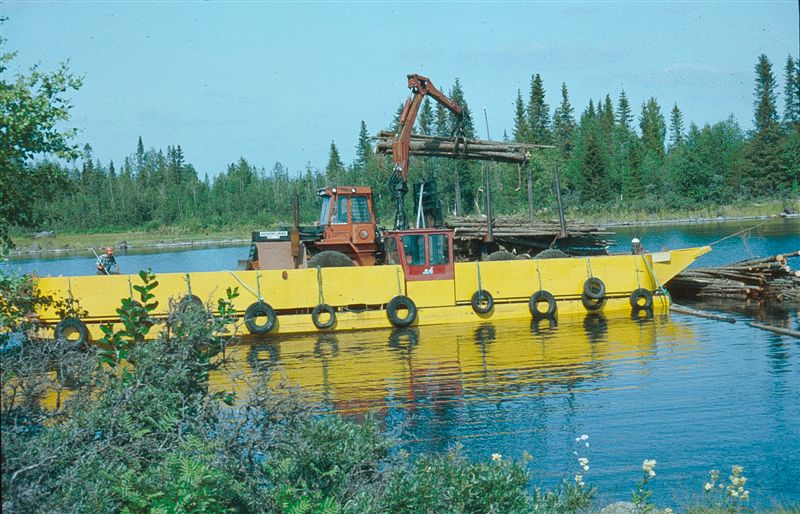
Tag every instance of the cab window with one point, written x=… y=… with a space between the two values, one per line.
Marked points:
x=392 y=256
x=323 y=214
x=440 y=249
x=414 y=247
x=341 y=210
x=360 y=209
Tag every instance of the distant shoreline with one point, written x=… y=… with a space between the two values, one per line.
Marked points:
x=690 y=221
x=81 y=243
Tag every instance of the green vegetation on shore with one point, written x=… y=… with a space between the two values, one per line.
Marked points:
x=134 y=426
x=177 y=236
x=613 y=166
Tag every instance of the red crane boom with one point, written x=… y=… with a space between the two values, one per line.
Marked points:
x=398 y=182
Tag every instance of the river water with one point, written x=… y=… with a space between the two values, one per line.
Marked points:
x=692 y=393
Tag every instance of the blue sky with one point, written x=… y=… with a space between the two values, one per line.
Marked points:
x=278 y=81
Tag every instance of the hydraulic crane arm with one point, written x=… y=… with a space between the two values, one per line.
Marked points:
x=398 y=182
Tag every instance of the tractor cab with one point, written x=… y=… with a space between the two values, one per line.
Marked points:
x=424 y=254
x=348 y=223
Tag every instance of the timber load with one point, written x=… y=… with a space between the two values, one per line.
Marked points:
x=459 y=148
x=522 y=236
x=768 y=278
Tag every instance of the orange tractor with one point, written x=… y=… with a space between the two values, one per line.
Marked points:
x=347 y=231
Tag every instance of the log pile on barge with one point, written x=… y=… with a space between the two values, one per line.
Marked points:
x=522 y=236
x=769 y=278
x=467 y=149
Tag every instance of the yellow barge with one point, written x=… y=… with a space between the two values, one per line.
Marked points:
x=420 y=285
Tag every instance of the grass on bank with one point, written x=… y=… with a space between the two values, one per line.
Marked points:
x=598 y=215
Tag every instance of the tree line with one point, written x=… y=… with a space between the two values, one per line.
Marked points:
x=609 y=157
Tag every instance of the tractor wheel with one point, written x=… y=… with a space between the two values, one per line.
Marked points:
x=330 y=259
x=501 y=255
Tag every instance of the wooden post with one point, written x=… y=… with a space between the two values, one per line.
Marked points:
x=530 y=191
x=458 y=190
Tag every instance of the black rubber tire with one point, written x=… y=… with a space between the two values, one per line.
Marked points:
x=642 y=314
x=501 y=255
x=68 y=324
x=257 y=310
x=396 y=303
x=637 y=295
x=319 y=309
x=482 y=302
x=594 y=288
x=592 y=304
x=551 y=253
x=533 y=304
x=190 y=302
x=330 y=259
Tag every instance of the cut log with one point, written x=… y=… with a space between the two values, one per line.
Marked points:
x=701 y=314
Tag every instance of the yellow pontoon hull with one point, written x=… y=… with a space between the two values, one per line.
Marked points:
x=360 y=294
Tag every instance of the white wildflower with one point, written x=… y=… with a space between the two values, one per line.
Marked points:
x=584 y=462
x=496 y=457
x=647 y=467
x=579 y=480
x=708 y=486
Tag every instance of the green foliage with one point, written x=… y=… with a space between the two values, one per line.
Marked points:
x=538 y=113
x=33 y=108
x=136 y=318
x=451 y=483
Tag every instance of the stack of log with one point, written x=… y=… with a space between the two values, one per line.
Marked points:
x=769 y=278
x=469 y=149
x=524 y=236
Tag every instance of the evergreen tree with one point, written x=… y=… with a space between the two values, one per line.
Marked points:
x=766 y=114
x=520 y=120
x=395 y=126
x=364 y=152
x=593 y=171
x=563 y=123
x=139 y=155
x=764 y=163
x=675 y=128
x=467 y=124
x=538 y=113
x=791 y=110
x=334 y=171
x=606 y=119
x=426 y=119
x=589 y=113
x=624 y=112
x=653 y=127
x=440 y=124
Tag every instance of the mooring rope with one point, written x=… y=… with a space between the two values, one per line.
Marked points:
x=742 y=231
x=319 y=285
x=255 y=293
x=658 y=282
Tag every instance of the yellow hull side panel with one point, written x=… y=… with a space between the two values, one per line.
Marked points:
x=295 y=292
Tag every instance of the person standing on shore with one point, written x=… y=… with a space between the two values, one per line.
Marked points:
x=107 y=264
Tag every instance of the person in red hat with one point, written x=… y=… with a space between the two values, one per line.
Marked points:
x=107 y=264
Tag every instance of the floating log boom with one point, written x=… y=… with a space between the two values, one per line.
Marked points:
x=768 y=278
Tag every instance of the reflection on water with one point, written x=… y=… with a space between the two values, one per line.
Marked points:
x=694 y=394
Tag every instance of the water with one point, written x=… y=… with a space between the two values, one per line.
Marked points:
x=204 y=259
x=692 y=393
